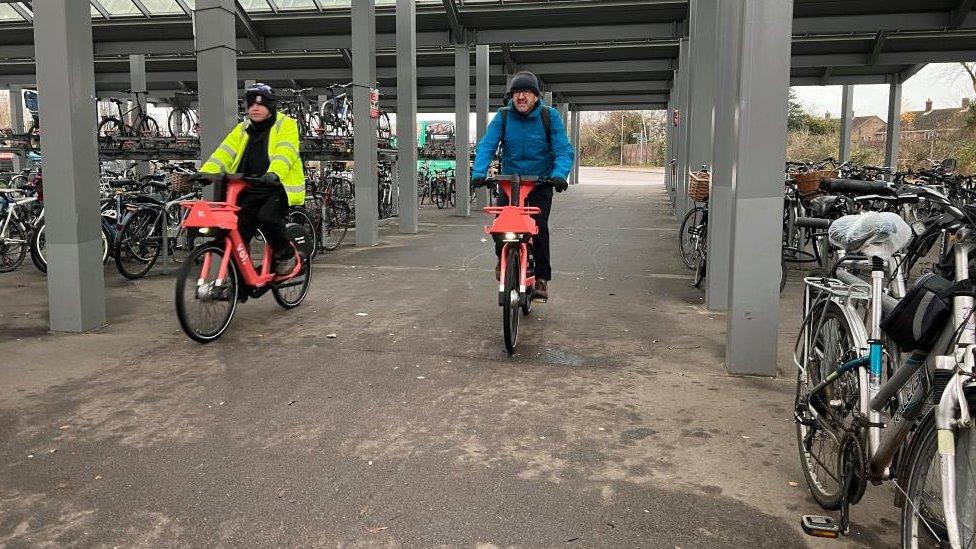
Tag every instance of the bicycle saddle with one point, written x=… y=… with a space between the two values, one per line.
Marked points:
x=822 y=206
x=874 y=234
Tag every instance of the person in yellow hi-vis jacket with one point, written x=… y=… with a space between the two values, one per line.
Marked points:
x=265 y=145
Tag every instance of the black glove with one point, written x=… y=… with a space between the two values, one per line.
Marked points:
x=478 y=182
x=559 y=184
x=270 y=179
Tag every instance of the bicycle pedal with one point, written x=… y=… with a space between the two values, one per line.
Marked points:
x=539 y=300
x=820 y=526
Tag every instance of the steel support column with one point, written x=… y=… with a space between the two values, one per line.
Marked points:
x=406 y=16
x=729 y=43
x=704 y=28
x=17 y=121
x=364 y=143
x=481 y=62
x=669 y=148
x=217 y=72
x=462 y=117
x=757 y=211
x=846 y=122
x=547 y=97
x=137 y=83
x=575 y=139
x=893 y=141
x=564 y=113
x=66 y=78
x=683 y=80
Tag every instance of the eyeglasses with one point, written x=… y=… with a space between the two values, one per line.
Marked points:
x=522 y=92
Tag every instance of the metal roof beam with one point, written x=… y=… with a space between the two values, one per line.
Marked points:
x=581 y=33
x=626 y=98
x=910 y=72
x=21 y=9
x=828 y=72
x=346 y=54
x=458 y=32
x=879 y=43
x=569 y=88
x=142 y=8
x=101 y=9
x=256 y=38
x=185 y=7
x=958 y=15
x=875 y=22
x=507 y=59
x=273 y=6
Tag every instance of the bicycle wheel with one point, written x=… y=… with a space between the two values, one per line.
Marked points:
x=111 y=127
x=180 y=123
x=383 y=130
x=510 y=301
x=290 y=293
x=922 y=516
x=330 y=120
x=138 y=243
x=203 y=307
x=13 y=247
x=832 y=342
x=440 y=195
x=38 y=246
x=298 y=214
x=335 y=224
x=685 y=246
x=702 y=257
x=147 y=127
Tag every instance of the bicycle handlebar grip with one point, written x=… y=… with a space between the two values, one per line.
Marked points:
x=854 y=186
x=813 y=222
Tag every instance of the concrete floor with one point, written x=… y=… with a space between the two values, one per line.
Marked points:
x=614 y=426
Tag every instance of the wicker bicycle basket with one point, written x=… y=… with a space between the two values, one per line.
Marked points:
x=809 y=182
x=179 y=183
x=699 y=184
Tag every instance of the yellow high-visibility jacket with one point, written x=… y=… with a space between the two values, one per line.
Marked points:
x=282 y=153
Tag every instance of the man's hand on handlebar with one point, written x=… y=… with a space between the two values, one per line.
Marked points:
x=559 y=184
x=270 y=179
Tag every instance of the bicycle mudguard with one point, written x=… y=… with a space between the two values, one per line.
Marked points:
x=513 y=219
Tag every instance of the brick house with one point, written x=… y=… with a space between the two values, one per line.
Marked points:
x=925 y=125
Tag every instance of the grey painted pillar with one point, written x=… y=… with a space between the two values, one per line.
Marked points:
x=17 y=120
x=846 y=122
x=564 y=113
x=406 y=24
x=704 y=28
x=481 y=64
x=681 y=201
x=364 y=130
x=667 y=143
x=217 y=73
x=728 y=45
x=757 y=211
x=574 y=140
x=547 y=97
x=66 y=81
x=137 y=83
x=462 y=114
x=893 y=141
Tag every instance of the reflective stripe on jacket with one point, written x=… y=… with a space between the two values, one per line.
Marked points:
x=282 y=154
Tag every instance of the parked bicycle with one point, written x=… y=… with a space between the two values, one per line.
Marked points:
x=142 y=125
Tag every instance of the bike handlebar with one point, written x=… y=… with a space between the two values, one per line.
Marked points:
x=854 y=186
x=516 y=178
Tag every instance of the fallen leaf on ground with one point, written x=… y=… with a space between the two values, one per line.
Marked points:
x=377 y=529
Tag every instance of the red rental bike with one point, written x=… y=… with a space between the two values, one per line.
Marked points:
x=514 y=227
x=220 y=273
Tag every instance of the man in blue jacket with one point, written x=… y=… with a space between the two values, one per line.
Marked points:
x=534 y=143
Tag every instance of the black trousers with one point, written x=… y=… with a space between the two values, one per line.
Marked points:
x=540 y=197
x=265 y=207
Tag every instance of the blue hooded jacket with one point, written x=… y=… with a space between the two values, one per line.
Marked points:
x=526 y=149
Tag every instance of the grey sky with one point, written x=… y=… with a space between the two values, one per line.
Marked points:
x=944 y=83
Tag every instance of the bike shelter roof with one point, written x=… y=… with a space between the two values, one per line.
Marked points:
x=593 y=54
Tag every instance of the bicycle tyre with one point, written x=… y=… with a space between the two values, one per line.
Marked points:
x=146 y=127
x=136 y=229
x=691 y=219
x=336 y=224
x=38 y=246
x=180 y=123
x=298 y=214
x=111 y=127
x=924 y=458
x=12 y=255
x=190 y=271
x=284 y=300
x=510 y=301
x=831 y=321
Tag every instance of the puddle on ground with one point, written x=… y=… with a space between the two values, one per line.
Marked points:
x=563 y=358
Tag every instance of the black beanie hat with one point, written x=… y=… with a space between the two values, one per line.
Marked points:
x=525 y=80
x=262 y=94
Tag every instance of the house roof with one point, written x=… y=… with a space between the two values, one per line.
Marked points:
x=941 y=119
x=859 y=121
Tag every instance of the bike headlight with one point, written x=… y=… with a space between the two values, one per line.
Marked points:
x=204 y=230
x=511 y=236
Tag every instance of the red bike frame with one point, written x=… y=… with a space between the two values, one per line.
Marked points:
x=515 y=219
x=222 y=217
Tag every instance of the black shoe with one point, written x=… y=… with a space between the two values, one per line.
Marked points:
x=284 y=266
x=541 y=290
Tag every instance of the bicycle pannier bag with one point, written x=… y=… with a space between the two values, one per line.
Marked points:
x=918 y=319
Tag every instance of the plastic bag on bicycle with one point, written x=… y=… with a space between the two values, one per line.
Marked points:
x=874 y=234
